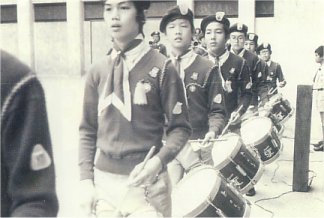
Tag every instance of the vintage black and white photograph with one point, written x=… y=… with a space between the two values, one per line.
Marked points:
x=162 y=108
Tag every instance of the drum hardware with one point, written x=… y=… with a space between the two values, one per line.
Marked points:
x=218 y=211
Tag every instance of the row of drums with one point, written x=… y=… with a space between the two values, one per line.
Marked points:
x=238 y=163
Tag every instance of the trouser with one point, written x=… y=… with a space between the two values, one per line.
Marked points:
x=116 y=199
x=322 y=121
x=186 y=160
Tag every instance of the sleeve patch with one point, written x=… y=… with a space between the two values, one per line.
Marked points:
x=177 y=108
x=40 y=159
x=218 y=99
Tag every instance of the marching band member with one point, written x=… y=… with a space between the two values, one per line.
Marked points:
x=202 y=85
x=156 y=43
x=27 y=165
x=274 y=69
x=251 y=42
x=127 y=94
x=258 y=71
x=234 y=71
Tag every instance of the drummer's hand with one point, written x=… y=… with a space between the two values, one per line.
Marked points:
x=209 y=136
x=87 y=199
x=147 y=175
x=234 y=117
x=282 y=84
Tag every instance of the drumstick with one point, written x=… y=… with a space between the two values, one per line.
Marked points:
x=147 y=157
x=230 y=121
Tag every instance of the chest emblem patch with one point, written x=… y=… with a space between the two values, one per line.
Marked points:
x=194 y=76
x=218 y=99
x=154 y=72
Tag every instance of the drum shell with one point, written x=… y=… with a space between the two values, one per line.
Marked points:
x=268 y=146
x=242 y=168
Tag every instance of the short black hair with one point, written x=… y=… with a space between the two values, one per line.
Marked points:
x=320 y=50
x=141 y=6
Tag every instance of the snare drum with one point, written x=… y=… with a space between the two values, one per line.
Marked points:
x=237 y=164
x=260 y=134
x=264 y=112
x=203 y=193
x=281 y=108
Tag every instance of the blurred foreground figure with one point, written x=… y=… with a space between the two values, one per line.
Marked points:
x=27 y=169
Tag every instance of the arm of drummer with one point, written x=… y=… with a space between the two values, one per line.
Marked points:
x=245 y=83
x=281 y=78
x=87 y=144
x=216 y=103
x=178 y=129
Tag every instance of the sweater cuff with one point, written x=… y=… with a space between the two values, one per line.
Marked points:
x=86 y=172
x=174 y=143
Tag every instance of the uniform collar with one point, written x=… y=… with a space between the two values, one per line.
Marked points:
x=221 y=59
x=241 y=54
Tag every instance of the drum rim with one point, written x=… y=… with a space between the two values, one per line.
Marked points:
x=227 y=160
x=203 y=205
x=261 y=139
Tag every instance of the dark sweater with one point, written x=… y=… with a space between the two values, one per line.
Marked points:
x=26 y=190
x=123 y=143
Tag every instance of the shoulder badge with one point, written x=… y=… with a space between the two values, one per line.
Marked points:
x=194 y=76
x=154 y=72
x=218 y=99
x=39 y=159
x=232 y=70
x=177 y=108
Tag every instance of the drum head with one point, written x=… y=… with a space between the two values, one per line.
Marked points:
x=189 y=197
x=255 y=130
x=223 y=150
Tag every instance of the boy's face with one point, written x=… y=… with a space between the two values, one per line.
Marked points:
x=120 y=16
x=265 y=54
x=215 y=36
x=156 y=38
x=237 y=40
x=179 y=34
x=318 y=59
x=250 y=45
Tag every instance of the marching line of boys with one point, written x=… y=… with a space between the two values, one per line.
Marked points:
x=135 y=95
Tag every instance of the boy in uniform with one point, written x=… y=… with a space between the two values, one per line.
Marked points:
x=127 y=94
x=274 y=69
x=235 y=75
x=238 y=34
x=202 y=84
x=156 y=43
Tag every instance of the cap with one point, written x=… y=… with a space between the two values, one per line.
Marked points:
x=218 y=17
x=252 y=37
x=144 y=5
x=177 y=12
x=238 y=27
x=263 y=46
x=155 y=33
